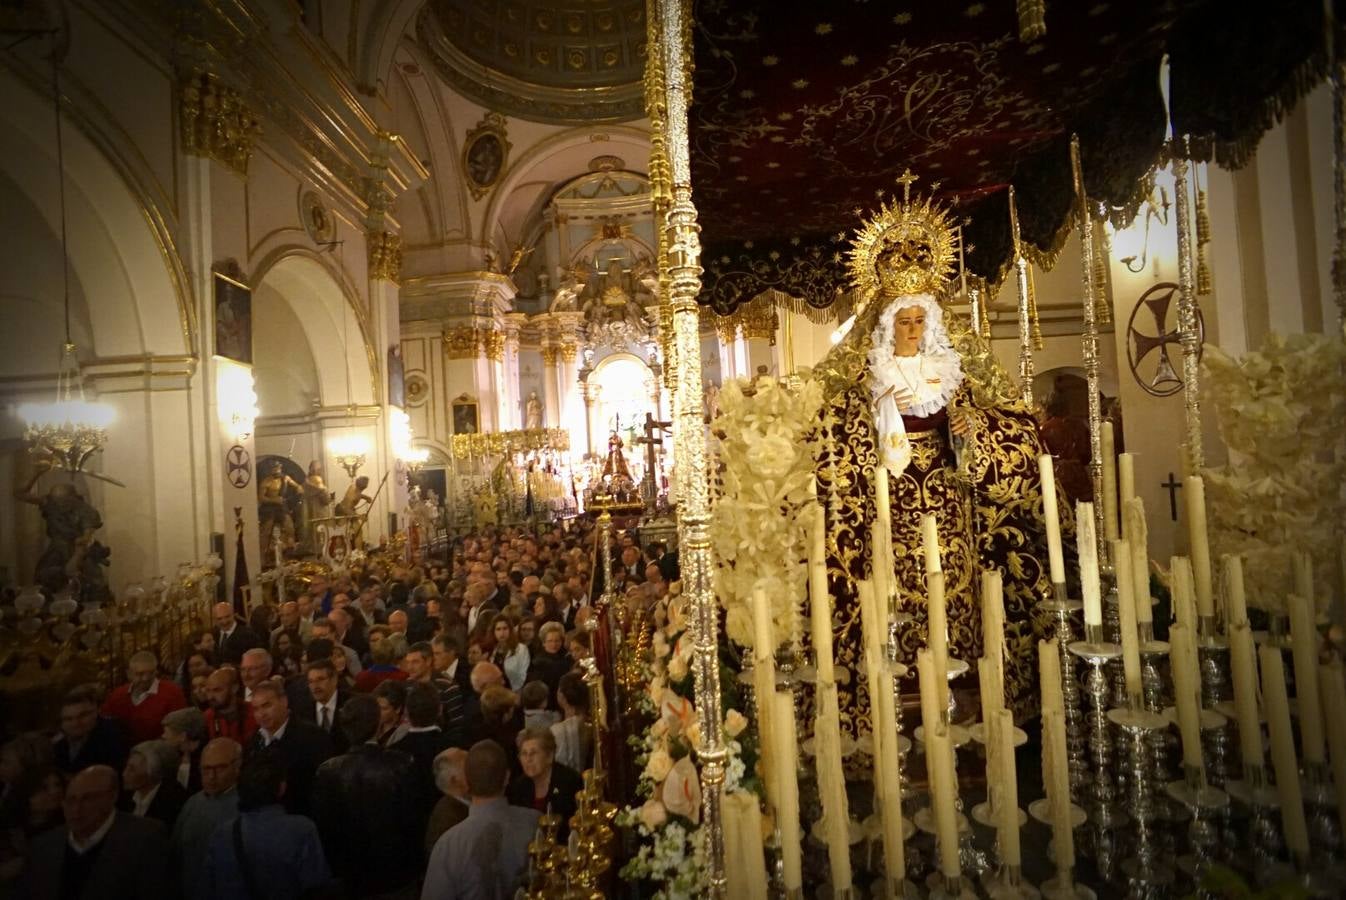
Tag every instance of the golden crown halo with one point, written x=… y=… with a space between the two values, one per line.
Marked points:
x=905 y=247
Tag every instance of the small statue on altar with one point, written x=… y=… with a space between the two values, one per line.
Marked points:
x=274 y=492
x=349 y=505
x=71 y=551
x=615 y=464
x=913 y=389
x=317 y=499
x=532 y=418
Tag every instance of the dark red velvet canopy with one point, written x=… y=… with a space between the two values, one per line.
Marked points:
x=805 y=112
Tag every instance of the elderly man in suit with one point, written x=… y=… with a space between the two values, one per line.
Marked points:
x=299 y=746
x=232 y=637
x=99 y=854
x=150 y=784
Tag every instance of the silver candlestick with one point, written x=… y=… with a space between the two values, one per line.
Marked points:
x=1263 y=845
x=1096 y=652
x=1320 y=803
x=1213 y=652
x=1061 y=609
x=1206 y=803
x=1148 y=874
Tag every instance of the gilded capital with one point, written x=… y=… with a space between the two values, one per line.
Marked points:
x=385 y=256
x=216 y=123
x=460 y=342
x=568 y=351
x=492 y=345
x=549 y=352
x=758 y=320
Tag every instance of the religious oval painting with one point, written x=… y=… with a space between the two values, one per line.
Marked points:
x=484 y=153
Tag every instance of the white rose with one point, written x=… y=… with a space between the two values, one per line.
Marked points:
x=659 y=728
x=653 y=814
x=734 y=723
x=658 y=766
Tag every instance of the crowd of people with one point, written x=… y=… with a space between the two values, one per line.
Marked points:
x=393 y=732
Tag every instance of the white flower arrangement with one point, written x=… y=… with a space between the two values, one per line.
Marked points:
x=672 y=856
x=768 y=463
x=1282 y=414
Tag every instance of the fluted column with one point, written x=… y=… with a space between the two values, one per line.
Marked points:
x=551 y=385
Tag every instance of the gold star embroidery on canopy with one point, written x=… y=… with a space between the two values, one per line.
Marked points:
x=903 y=18
x=975 y=10
x=770 y=60
x=849 y=59
x=822 y=28
x=799 y=84
x=1050 y=68
x=785 y=116
x=747 y=94
x=773 y=165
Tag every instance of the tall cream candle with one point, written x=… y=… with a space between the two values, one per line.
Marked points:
x=786 y=756
x=1007 y=807
x=1180 y=587
x=1304 y=643
x=1052 y=514
x=827 y=719
x=1283 y=761
x=1049 y=675
x=745 y=856
x=1056 y=766
x=764 y=685
x=939 y=760
x=883 y=541
x=1126 y=483
x=1243 y=662
x=1086 y=540
x=1126 y=606
x=1303 y=574
x=930 y=543
x=1138 y=534
x=1234 y=591
x=1109 y=484
x=1186 y=693
x=1334 y=706
x=937 y=628
x=883 y=701
x=992 y=691
x=1195 y=495
x=993 y=621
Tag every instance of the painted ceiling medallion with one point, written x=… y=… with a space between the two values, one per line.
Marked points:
x=575 y=62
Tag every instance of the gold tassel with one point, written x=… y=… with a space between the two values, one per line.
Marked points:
x=1203 y=276
x=1032 y=20
x=1033 y=310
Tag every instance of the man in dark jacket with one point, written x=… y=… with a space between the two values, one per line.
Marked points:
x=367 y=809
x=232 y=637
x=425 y=738
x=320 y=698
x=99 y=854
x=88 y=739
x=300 y=746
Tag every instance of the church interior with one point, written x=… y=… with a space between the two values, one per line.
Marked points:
x=876 y=449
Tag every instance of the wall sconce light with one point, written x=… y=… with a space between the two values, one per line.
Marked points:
x=1155 y=209
x=349 y=451
x=236 y=399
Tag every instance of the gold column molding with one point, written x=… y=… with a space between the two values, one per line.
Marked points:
x=549 y=354
x=568 y=351
x=216 y=123
x=384 y=249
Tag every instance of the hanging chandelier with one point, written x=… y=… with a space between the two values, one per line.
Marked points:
x=69 y=429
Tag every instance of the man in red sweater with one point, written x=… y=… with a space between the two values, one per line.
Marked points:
x=141 y=704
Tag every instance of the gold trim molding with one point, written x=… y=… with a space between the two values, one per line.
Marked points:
x=216 y=122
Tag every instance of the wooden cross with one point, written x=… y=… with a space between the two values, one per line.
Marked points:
x=1172 y=486
x=905 y=180
x=650 y=442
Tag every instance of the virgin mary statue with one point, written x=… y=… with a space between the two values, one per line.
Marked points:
x=912 y=388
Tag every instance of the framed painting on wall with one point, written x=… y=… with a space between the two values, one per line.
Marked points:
x=233 y=319
x=465 y=419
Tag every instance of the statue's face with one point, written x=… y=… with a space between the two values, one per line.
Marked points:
x=908 y=329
